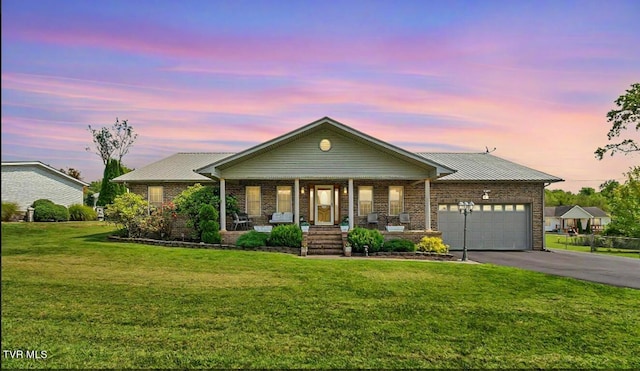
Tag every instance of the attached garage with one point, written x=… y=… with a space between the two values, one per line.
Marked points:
x=489 y=226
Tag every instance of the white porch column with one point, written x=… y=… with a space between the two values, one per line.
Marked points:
x=296 y=201
x=223 y=206
x=427 y=205
x=351 y=216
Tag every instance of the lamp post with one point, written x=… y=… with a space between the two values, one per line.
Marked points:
x=465 y=208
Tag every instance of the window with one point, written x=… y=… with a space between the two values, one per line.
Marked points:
x=155 y=195
x=365 y=200
x=283 y=201
x=486 y=207
x=254 y=206
x=396 y=200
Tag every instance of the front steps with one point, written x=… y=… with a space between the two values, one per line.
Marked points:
x=324 y=240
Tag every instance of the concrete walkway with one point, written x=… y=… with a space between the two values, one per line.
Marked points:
x=610 y=270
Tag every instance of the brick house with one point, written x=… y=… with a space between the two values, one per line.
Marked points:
x=326 y=171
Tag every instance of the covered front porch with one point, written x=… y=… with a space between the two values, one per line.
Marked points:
x=331 y=202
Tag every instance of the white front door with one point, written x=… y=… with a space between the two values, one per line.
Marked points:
x=324 y=205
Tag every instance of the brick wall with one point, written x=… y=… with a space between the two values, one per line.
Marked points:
x=501 y=192
x=414 y=194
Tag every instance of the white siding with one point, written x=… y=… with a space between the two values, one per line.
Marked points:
x=25 y=184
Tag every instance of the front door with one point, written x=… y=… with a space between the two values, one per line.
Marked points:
x=324 y=205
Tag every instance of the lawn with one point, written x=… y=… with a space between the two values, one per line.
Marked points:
x=90 y=303
x=563 y=242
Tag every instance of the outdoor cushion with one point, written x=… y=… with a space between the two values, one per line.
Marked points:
x=286 y=217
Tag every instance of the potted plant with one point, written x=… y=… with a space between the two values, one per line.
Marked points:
x=344 y=224
x=347 y=249
x=304 y=226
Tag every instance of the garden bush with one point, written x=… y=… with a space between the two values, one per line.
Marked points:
x=432 y=244
x=399 y=245
x=189 y=202
x=360 y=237
x=42 y=201
x=208 y=224
x=286 y=235
x=127 y=211
x=9 y=211
x=82 y=213
x=47 y=211
x=253 y=239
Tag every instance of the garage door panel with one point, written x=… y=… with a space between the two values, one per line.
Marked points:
x=489 y=227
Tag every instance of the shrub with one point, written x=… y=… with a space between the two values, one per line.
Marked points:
x=253 y=239
x=42 y=201
x=189 y=202
x=286 y=235
x=399 y=245
x=360 y=237
x=127 y=211
x=432 y=244
x=79 y=212
x=9 y=211
x=47 y=211
x=208 y=224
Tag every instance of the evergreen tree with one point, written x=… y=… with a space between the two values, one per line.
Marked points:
x=110 y=190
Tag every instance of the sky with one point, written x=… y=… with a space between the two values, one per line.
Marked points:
x=532 y=79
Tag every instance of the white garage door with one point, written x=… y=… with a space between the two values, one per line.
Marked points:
x=489 y=227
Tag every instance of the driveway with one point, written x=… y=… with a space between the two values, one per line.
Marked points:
x=610 y=270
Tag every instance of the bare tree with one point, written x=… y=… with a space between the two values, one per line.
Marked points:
x=116 y=140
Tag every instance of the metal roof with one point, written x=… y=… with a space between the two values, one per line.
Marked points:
x=485 y=167
x=175 y=168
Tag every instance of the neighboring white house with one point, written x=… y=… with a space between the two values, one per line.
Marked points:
x=563 y=218
x=26 y=181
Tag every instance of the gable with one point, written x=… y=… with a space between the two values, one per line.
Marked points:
x=576 y=212
x=347 y=157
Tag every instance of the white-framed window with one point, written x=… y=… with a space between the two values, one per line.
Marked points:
x=396 y=200
x=253 y=200
x=283 y=199
x=155 y=197
x=365 y=200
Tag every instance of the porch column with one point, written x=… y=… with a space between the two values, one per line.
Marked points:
x=223 y=206
x=427 y=205
x=296 y=201
x=351 y=216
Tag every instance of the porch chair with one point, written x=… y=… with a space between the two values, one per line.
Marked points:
x=405 y=219
x=372 y=219
x=241 y=220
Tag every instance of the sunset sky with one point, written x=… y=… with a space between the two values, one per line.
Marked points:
x=533 y=79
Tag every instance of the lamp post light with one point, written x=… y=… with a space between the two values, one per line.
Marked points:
x=465 y=208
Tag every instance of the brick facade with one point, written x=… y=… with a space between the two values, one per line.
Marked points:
x=501 y=192
x=414 y=199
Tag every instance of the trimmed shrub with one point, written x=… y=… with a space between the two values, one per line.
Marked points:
x=9 y=211
x=289 y=235
x=208 y=224
x=47 y=211
x=253 y=239
x=82 y=213
x=360 y=237
x=399 y=245
x=189 y=202
x=42 y=201
x=432 y=244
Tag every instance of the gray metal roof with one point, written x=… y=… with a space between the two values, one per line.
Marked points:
x=485 y=167
x=175 y=168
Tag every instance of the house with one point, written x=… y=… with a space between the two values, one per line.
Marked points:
x=563 y=218
x=26 y=181
x=326 y=171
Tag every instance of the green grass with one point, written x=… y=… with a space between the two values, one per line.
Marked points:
x=94 y=304
x=563 y=242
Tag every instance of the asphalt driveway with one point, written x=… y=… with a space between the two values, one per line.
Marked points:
x=611 y=270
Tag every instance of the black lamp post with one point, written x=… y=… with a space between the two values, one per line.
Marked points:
x=465 y=208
